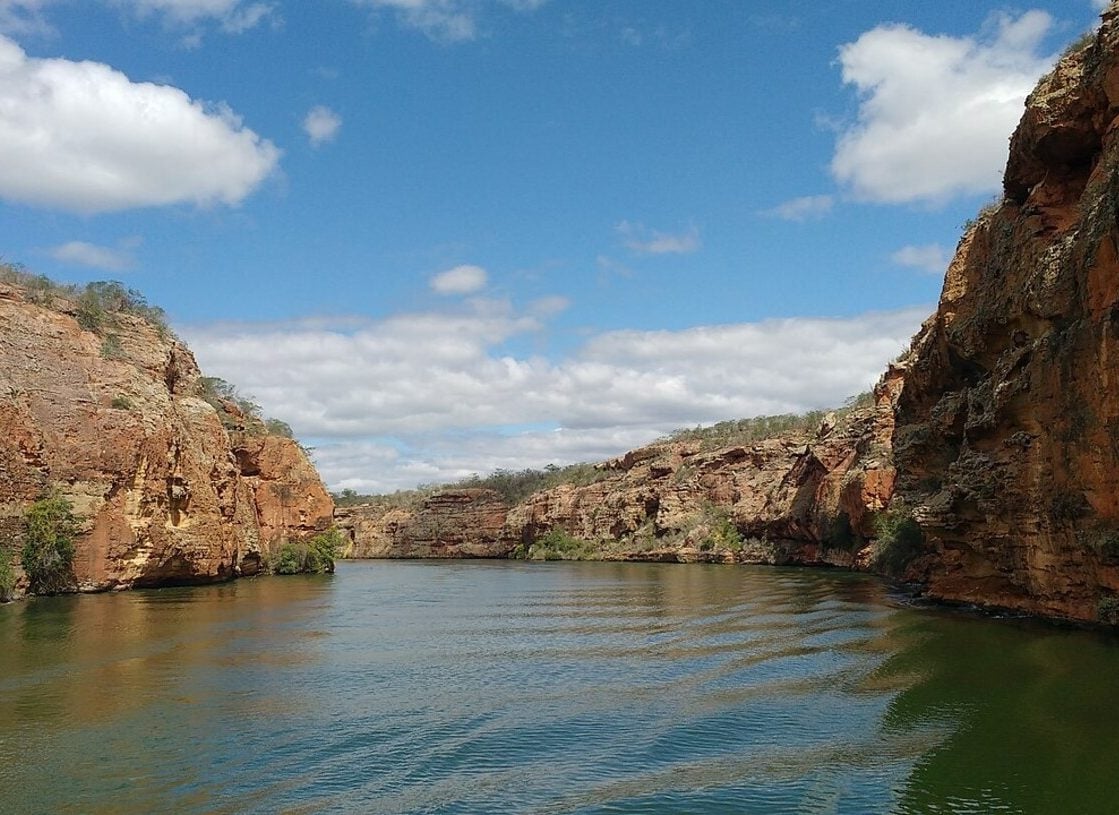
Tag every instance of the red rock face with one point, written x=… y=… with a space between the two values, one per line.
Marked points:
x=147 y=464
x=464 y=523
x=1007 y=437
x=667 y=502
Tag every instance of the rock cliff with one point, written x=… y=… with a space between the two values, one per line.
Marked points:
x=804 y=498
x=111 y=416
x=1007 y=440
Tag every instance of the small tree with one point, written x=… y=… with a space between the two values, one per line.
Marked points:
x=900 y=540
x=7 y=575
x=48 y=544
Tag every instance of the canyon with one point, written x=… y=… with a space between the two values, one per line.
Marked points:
x=992 y=443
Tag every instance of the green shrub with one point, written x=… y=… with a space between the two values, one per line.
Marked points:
x=290 y=559
x=274 y=427
x=48 y=544
x=7 y=575
x=111 y=347
x=314 y=556
x=723 y=533
x=1080 y=43
x=1107 y=609
x=555 y=544
x=900 y=540
x=121 y=403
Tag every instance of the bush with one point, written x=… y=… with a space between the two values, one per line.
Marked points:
x=99 y=303
x=121 y=403
x=555 y=544
x=7 y=576
x=900 y=540
x=48 y=544
x=274 y=427
x=111 y=347
x=314 y=556
x=1107 y=609
x=290 y=559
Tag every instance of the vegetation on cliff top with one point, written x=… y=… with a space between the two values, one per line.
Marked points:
x=516 y=485
x=237 y=412
x=96 y=306
x=760 y=428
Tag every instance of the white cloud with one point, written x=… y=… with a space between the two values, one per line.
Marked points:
x=82 y=136
x=232 y=16
x=23 y=16
x=802 y=209
x=446 y=20
x=935 y=112
x=459 y=280
x=637 y=238
x=321 y=125
x=92 y=255
x=235 y=16
x=426 y=396
x=930 y=258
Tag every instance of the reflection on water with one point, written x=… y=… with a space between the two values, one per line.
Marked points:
x=548 y=688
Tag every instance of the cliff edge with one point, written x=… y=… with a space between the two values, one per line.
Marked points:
x=102 y=405
x=1007 y=439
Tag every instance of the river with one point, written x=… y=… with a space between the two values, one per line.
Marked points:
x=522 y=688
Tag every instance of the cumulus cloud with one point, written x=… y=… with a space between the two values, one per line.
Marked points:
x=426 y=396
x=638 y=238
x=463 y=279
x=805 y=208
x=321 y=124
x=82 y=253
x=935 y=111
x=82 y=136
x=930 y=258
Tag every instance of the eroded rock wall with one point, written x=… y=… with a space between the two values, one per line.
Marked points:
x=1007 y=439
x=117 y=426
x=785 y=497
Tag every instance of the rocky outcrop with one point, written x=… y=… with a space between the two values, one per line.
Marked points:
x=459 y=523
x=1007 y=439
x=288 y=495
x=806 y=498
x=112 y=418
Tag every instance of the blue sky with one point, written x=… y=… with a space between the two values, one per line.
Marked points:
x=443 y=236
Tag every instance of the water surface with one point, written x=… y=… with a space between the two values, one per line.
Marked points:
x=444 y=687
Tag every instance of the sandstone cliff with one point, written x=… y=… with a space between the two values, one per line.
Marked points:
x=111 y=415
x=1007 y=441
x=804 y=498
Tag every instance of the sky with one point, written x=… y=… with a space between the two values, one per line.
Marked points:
x=440 y=237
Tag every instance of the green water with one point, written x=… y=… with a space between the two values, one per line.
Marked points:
x=398 y=687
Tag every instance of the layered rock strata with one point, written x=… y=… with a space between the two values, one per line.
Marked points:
x=808 y=498
x=114 y=421
x=1007 y=440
